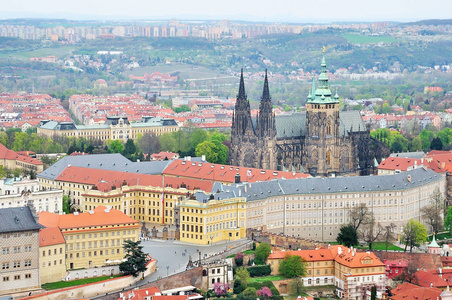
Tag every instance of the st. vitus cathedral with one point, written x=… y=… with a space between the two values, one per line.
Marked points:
x=322 y=141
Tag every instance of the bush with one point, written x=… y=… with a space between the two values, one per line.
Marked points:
x=254 y=246
x=258 y=271
x=238 y=286
x=239 y=259
x=250 y=292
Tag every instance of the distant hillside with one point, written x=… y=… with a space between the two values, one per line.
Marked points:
x=434 y=22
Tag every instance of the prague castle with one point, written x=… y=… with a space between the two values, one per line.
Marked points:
x=322 y=141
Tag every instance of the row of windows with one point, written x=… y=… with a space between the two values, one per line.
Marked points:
x=50 y=251
x=49 y=263
x=16 y=249
x=16 y=277
x=16 y=235
x=15 y=264
x=91 y=235
x=94 y=253
x=77 y=246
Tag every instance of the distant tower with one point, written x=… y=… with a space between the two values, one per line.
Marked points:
x=322 y=143
x=266 y=129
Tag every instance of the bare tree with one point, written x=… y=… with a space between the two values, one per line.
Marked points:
x=433 y=213
x=371 y=230
x=389 y=234
x=359 y=215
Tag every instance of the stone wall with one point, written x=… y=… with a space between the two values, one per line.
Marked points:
x=93 y=289
x=417 y=260
x=282 y=241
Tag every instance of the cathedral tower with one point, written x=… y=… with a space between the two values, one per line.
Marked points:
x=322 y=143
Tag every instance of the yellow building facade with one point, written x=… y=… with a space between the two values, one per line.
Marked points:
x=95 y=237
x=52 y=255
x=207 y=222
x=143 y=203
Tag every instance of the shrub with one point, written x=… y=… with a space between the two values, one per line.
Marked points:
x=239 y=259
x=250 y=292
x=264 y=292
x=258 y=271
x=239 y=286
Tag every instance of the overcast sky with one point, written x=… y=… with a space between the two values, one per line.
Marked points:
x=253 y=10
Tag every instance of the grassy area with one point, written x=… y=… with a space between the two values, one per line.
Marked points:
x=382 y=246
x=365 y=39
x=42 y=52
x=185 y=70
x=65 y=284
x=266 y=278
x=246 y=252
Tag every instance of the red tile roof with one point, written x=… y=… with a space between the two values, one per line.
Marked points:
x=399 y=163
x=101 y=216
x=8 y=154
x=104 y=180
x=430 y=279
x=409 y=291
x=50 y=236
x=140 y=294
x=309 y=255
x=223 y=173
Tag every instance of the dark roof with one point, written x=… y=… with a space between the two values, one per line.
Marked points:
x=110 y=162
x=294 y=125
x=17 y=219
x=313 y=186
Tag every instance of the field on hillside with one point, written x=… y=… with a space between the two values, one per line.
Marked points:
x=42 y=52
x=365 y=39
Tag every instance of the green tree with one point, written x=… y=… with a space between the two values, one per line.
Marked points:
x=68 y=207
x=182 y=108
x=3 y=172
x=250 y=292
x=197 y=137
x=242 y=274
x=17 y=172
x=116 y=146
x=4 y=138
x=238 y=286
x=448 y=219
x=135 y=259
x=262 y=252
x=296 y=287
x=347 y=236
x=208 y=149
x=414 y=234
x=168 y=143
x=292 y=266
x=436 y=144
x=129 y=149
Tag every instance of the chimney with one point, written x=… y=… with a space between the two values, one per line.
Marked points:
x=409 y=178
x=237 y=178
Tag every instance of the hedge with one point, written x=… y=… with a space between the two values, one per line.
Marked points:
x=259 y=271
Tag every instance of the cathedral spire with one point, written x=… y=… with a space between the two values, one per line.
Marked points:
x=242 y=94
x=266 y=92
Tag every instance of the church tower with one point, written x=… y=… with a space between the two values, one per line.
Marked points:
x=266 y=129
x=321 y=150
x=243 y=136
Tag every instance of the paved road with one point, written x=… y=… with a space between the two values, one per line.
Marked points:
x=171 y=258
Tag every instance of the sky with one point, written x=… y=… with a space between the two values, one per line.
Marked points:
x=299 y=11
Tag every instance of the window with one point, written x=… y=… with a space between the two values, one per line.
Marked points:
x=27 y=263
x=16 y=277
x=16 y=264
x=5 y=266
x=27 y=248
x=27 y=276
x=5 y=250
x=6 y=278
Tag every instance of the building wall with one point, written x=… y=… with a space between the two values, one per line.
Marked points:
x=319 y=216
x=143 y=203
x=212 y=222
x=50 y=200
x=90 y=247
x=52 y=263
x=19 y=260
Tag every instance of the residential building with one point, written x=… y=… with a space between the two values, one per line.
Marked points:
x=94 y=237
x=215 y=273
x=52 y=255
x=115 y=128
x=19 y=259
x=12 y=160
x=205 y=220
x=395 y=268
x=352 y=272
x=409 y=291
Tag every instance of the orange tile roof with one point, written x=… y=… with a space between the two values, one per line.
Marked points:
x=8 y=154
x=223 y=173
x=105 y=179
x=100 y=217
x=409 y=291
x=429 y=279
x=321 y=254
x=50 y=236
x=399 y=163
x=140 y=294
x=353 y=259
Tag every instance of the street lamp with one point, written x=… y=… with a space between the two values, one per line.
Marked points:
x=167 y=270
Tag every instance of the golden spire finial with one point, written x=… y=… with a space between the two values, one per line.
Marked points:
x=323 y=49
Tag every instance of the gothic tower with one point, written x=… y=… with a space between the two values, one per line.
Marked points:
x=243 y=136
x=321 y=150
x=266 y=129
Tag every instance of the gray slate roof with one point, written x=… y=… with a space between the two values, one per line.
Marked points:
x=17 y=219
x=306 y=186
x=110 y=162
x=294 y=125
x=414 y=155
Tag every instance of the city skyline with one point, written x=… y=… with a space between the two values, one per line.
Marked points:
x=260 y=11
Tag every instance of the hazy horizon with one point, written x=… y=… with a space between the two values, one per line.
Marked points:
x=293 y=11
